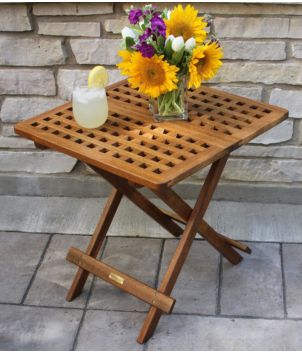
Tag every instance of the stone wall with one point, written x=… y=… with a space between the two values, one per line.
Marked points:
x=47 y=48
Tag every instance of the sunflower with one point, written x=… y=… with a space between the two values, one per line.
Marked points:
x=126 y=59
x=204 y=63
x=185 y=23
x=152 y=76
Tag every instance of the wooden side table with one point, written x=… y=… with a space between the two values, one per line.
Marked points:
x=132 y=151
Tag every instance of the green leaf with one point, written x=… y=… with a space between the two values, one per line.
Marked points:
x=168 y=49
x=161 y=43
x=177 y=56
x=129 y=43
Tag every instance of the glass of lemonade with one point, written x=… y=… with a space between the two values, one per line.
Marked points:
x=90 y=106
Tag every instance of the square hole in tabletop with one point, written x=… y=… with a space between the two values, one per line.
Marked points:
x=154 y=147
x=258 y=116
x=104 y=150
x=190 y=140
x=143 y=166
x=193 y=151
x=157 y=171
x=170 y=164
x=139 y=123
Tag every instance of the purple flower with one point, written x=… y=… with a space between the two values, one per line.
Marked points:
x=145 y=35
x=147 y=50
x=158 y=25
x=134 y=15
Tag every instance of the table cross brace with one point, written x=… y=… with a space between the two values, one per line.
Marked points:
x=160 y=299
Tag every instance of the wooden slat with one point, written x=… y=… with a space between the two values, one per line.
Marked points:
x=121 y=280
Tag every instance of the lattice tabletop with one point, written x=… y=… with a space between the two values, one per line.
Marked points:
x=151 y=154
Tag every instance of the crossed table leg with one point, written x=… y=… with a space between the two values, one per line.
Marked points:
x=160 y=299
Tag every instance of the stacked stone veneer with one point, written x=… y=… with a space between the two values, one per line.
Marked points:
x=46 y=49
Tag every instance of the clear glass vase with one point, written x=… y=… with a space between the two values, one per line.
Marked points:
x=172 y=105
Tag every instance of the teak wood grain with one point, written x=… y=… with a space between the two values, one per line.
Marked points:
x=121 y=280
x=133 y=146
x=131 y=151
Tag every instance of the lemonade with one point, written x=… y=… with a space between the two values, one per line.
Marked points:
x=90 y=106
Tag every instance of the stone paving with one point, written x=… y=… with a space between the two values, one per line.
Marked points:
x=253 y=306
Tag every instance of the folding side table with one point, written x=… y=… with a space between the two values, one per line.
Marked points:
x=131 y=151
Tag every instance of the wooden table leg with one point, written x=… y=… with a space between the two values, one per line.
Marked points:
x=96 y=242
x=141 y=201
x=183 y=211
x=184 y=245
x=205 y=227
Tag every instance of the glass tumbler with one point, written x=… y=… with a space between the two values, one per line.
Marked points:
x=90 y=106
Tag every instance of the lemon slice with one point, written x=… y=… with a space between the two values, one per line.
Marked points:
x=98 y=77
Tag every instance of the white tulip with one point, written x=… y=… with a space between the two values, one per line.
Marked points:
x=190 y=44
x=169 y=14
x=178 y=43
x=128 y=32
x=170 y=37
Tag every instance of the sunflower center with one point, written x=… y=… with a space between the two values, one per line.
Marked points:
x=155 y=75
x=182 y=29
x=200 y=65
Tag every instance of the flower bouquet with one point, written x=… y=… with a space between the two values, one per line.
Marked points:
x=166 y=52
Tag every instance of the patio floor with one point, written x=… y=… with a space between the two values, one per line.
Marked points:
x=256 y=305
